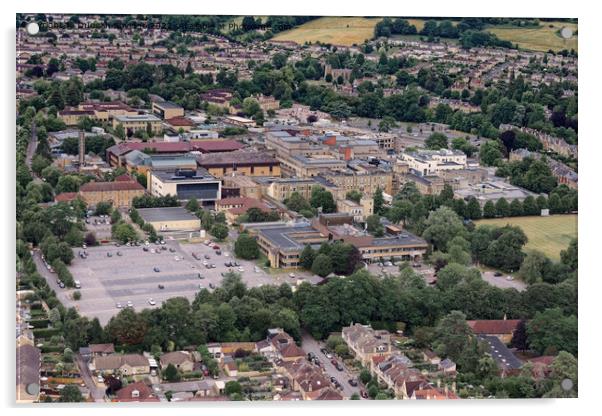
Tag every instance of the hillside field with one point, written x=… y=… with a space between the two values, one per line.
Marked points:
x=344 y=31
x=549 y=235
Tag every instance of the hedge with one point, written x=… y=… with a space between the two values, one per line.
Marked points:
x=46 y=332
x=39 y=323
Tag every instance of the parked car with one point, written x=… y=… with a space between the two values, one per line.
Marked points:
x=172 y=250
x=119 y=253
x=130 y=304
x=160 y=286
x=109 y=254
x=498 y=274
x=353 y=382
x=338 y=366
x=152 y=302
x=78 y=285
x=61 y=285
x=291 y=275
x=207 y=256
x=211 y=286
x=156 y=269
x=118 y=305
x=200 y=276
x=213 y=266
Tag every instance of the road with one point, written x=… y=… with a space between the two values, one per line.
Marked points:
x=31 y=146
x=97 y=393
x=309 y=344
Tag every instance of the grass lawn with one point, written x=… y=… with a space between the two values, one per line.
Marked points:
x=335 y=30
x=549 y=235
x=541 y=39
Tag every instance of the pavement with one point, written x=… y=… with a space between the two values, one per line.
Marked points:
x=105 y=280
x=97 y=392
x=309 y=344
x=502 y=281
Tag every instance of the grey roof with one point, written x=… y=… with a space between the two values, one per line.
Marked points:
x=280 y=236
x=166 y=214
x=200 y=175
x=502 y=355
x=404 y=238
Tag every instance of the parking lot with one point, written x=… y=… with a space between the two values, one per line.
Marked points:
x=131 y=276
x=101 y=227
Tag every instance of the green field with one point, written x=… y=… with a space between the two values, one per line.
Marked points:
x=344 y=31
x=540 y=39
x=549 y=235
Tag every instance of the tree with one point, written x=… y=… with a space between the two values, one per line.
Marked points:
x=374 y=226
x=516 y=208
x=564 y=367
x=322 y=265
x=473 y=209
x=436 y=141
x=365 y=376
x=320 y=197
x=379 y=201
x=441 y=226
x=123 y=232
x=489 y=210
x=452 y=336
x=127 y=327
x=551 y=331
x=103 y=208
x=77 y=295
x=192 y=205
x=307 y=256
x=246 y=247
x=71 y=394
x=502 y=208
x=220 y=231
x=354 y=196
x=171 y=373
x=530 y=206
x=570 y=256
x=533 y=267
x=490 y=153
x=520 y=339
x=232 y=387
x=90 y=239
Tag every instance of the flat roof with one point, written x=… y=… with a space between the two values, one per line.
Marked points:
x=138 y=117
x=166 y=214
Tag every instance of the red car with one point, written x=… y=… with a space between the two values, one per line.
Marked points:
x=216 y=247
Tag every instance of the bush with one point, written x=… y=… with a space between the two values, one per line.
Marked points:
x=77 y=295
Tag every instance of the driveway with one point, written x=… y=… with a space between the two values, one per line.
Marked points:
x=309 y=344
x=97 y=393
x=502 y=282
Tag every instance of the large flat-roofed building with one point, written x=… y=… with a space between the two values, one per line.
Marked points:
x=282 y=244
x=105 y=111
x=185 y=184
x=492 y=191
x=307 y=166
x=120 y=193
x=170 y=219
x=366 y=182
x=430 y=162
x=167 y=110
x=239 y=121
x=142 y=162
x=132 y=124
x=239 y=163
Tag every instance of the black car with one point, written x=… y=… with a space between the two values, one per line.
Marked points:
x=339 y=367
x=211 y=285
x=61 y=285
x=161 y=286
x=498 y=274
x=353 y=382
x=156 y=269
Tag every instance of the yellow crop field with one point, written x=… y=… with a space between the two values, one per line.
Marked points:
x=344 y=31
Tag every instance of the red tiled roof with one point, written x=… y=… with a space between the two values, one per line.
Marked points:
x=179 y=121
x=493 y=326
x=210 y=146
x=145 y=394
x=111 y=186
x=65 y=197
x=124 y=178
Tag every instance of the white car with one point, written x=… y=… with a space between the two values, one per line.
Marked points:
x=292 y=275
x=118 y=305
x=240 y=269
x=130 y=304
x=176 y=258
x=509 y=278
x=152 y=302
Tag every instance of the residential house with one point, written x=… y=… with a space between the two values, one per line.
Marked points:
x=182 y=360
x=127 y=364
x=365 y=342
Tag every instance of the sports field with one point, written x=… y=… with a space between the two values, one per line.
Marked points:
x=549 y=235
x=344 y=31
x=541 y=38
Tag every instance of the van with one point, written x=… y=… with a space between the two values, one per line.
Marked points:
x=78 y=285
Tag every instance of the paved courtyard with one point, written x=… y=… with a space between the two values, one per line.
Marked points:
x=105 y=280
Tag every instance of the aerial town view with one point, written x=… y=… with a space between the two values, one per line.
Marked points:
x=290 y=208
